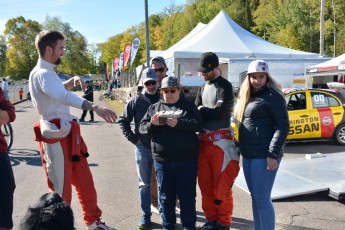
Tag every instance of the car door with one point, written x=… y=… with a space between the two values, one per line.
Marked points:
x=329 y=110
x=299 y=106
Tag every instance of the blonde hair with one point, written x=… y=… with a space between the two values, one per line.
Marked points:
x=244 y=95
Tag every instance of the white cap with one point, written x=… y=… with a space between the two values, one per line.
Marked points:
x=258 y=66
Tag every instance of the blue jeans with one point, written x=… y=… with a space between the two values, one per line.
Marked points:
x=7 y=187
x=144 y=161
x=260 y=182
x=177 y=178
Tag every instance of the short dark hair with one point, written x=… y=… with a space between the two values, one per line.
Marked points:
x=47 y=38
x=49 y=213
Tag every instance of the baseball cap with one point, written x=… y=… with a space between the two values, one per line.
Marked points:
x=258 y=66
x=170 y=82
x=158 y=59
x=208 y=61
x=149 y=75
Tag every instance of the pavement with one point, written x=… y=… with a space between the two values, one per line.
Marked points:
x=113 y=167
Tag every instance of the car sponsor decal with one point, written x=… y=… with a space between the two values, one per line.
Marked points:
x=326 y=121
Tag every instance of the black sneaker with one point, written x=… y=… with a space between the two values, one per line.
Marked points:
x=81 y=120
x=224 y=227
x=209 y=225
x=92 y=120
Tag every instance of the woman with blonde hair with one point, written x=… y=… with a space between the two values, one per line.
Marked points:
x=261 y=116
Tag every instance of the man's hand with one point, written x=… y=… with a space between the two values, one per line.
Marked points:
x=73 y=82
x=107 y=114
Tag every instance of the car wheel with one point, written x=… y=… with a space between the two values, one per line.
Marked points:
x=339 y=135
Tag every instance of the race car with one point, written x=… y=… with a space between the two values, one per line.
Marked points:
x=316 y=114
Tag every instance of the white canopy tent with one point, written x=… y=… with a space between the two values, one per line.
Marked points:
x=324 y=73
x=228 y=40
x=334 y=66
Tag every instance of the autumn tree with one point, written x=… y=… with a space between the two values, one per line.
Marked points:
x=21 y=54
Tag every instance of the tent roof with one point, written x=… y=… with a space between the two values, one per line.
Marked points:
x=229 y=40
x=332 y=67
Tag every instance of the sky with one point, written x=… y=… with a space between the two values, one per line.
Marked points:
x=97 y=20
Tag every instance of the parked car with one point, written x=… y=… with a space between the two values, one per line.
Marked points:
x=315 y=114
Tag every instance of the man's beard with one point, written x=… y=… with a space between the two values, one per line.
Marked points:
x=58 y=61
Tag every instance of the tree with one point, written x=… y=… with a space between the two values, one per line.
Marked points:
x=21 y=55
x=3 y=60
x=76 y=59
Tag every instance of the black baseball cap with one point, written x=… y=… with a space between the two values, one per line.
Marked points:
x=208 y=61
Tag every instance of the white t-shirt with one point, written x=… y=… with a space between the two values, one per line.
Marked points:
x=49 y=95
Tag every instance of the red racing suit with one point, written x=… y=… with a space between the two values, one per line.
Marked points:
x=218 y=169
x=73 y=169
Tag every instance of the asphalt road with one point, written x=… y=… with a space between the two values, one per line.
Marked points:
x=113 y=167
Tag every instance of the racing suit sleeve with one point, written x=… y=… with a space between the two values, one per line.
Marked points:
x=54 y=88
x=225 y=101
x=198 y=100
x=281 y=120
x=125 y=122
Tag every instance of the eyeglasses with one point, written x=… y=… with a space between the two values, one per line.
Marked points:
x=160 y=69
x=166 y=91
x=148 y=83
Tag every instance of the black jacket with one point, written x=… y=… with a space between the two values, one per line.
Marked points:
x=88 y=94
x=136 y=109
x=265 y=125
x=180 y=142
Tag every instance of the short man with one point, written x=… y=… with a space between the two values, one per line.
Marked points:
x=7 y=184
x=4 y=87
x=58 y=132
x=159 y=65
x=218 y=156
x=136 y=109
x=88 y=95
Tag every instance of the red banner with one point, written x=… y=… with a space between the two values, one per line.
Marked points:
x=116 y=63
x=126 y=54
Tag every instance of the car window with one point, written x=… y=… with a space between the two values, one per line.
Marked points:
x=322 y=100
x=296 y=101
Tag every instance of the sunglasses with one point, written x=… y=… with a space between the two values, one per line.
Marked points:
x=166 y=91
x=148 y=83
x=160 y=69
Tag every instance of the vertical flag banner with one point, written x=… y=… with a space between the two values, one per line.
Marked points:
x=106 y=71
x=116 y=63
x=126 y=54
x=134 y=49
x=121 y=62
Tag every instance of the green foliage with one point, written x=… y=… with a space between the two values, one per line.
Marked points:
x=77 y=59
x=21 y=55
x=290 y=23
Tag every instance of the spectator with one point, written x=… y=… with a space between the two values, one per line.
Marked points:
x=218 y=156
x=21 y=93
x=4 y=87
x=58 y=132
x=159 y=65
x=88 y=95
x=50 y=212
x=261 y=109
x=173 y=123
x=136 y=109
x=7 y=185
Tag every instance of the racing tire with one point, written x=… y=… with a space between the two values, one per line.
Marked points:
x=339 y=135
x=101 y=98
